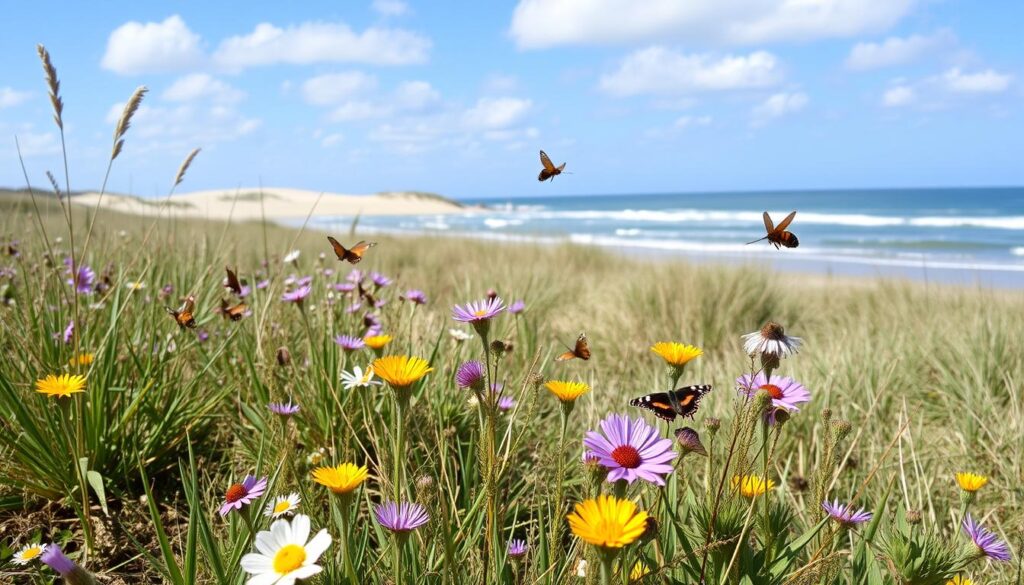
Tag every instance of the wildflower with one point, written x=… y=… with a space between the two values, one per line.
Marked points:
x=987 y=542
x=82 y=359
x=971 y=482
x=349 y=342
x=631 y=450
x=959 y=580
x=62 y=386
x=83 y=279
x=751 y=486
x=377 y=341
x=786 y=392
x=55 y=558
x=358 y=379
x=291 y=256
x=517 y=548
x=284 y=409
x=202 y=335
x=28 y=553
x=506 y=403
x=355 y=276
x=344 y=287
x=845 y=514
x=379 y=279
x=401 y=518
x=342 y=479
x=517 y=307
x=283 y=506
x=639 y=571
x=69 y=332
x=771 y=343
x=676 y=354
x=135 y=285
x=607 y=522
x=567 y=391
x=479 y=313
x=401 y=371
x=284 y=555
x=459 y=335
x=262 y=284
x=689 y=441
x=242 y=494
x=297 y=295
x=470 y=375
x=415 y=296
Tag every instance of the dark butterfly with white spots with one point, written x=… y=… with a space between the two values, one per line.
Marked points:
x=667 y=405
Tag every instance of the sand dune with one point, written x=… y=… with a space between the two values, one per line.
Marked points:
x=278 y=203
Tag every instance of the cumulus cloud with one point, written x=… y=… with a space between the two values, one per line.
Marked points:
x=778 y=105
x=897 y=50
x=658 y=70
x=197 y=86
x=10 y=97
x=321 y=42
x=390 y=7
x=416 y=96
x=152 y=47
x=333 y=88
x=899 y=96
x=987 y=81
x=496 y=113
x=546 y=23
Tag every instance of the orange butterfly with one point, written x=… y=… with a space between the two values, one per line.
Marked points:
x=233 y=282
x=351 y=255
x=550 y=170
x=184 y=316
x=234 y=313
x=581 y=351
x=777 y=234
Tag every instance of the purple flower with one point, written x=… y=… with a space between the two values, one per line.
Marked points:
x=263 y=284
x=327 y=272
x=344 y=287
x=470 y=375
x=506 y=403
x=165 y=291
x=202 y=335
x=296 y=296
x=353 y=308
x=988 y=542
x=517 y=307
x=845 y=514
x=283 y=408
x=55 y=558
x=304 y=281
x=517 y=548
x=83 y=279
x=245 y=291
x=478 y=311
x=379 y=279
x=349 y=342
x=356 y=276
x=242 y=494
x=401 y=518
x=631 y=450
x=380 y=303
x=69 y=332
x=786 y=392
x=415 y=296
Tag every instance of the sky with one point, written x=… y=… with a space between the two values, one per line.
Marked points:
x=457 y=97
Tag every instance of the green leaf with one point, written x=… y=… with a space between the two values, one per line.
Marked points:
x=786 y=556
x=96 y=483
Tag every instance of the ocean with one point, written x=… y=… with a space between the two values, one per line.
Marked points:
x=969 y=236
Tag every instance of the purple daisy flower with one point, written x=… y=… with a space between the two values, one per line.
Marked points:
x=349 y=342
x=416 y=296
x=517 y=307
x=506 y=403
x=470 y=375
x=786 y=392
x=344 y=287
x=245 y=291
x=631 y=450
x=401 y=518
x=55 y=558
x=243 y=494
x=845 y=514
x=517 y=548
x=355 y=276
x=83 y=279
x=304 y=281
x=478 y=311
x=283 y=408
x=69 y=332
x=988 y=542
x=263 y=284
x=353 y=308
x=380 y=303
x=297 y=296
x=202 y=335
x=379 y=279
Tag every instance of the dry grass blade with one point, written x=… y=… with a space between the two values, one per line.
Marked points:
x=184 y=166
x=50 y=73
x=125 y=121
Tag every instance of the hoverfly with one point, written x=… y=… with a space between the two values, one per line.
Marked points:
x=185 y=315
x=550 y=170
x=777 y=234
x=351 y=255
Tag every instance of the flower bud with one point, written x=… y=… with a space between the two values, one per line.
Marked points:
x=492 y=294
x=58 y=561
x=689 y=442
x=712 y=425
x=826 y=415
x=840 y=429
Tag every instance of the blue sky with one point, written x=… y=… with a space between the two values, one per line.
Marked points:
x=457 y=97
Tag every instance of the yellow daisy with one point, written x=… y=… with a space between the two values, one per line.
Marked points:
x=567 y=391
x=751 y=486
x=82 y=359
x=341 y=479
x=971 y=482
x=377 y=341
x=676 y=354
x=959 y=580
x=28 y=553
x=63 y=385
x=607 y=522
x=401 y=371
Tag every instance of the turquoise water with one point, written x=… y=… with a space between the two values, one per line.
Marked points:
x=971 y=235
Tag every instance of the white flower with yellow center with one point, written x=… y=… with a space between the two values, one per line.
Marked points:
x=357 y=378
x=284 y=554
x=283 y=505
x=28 y=553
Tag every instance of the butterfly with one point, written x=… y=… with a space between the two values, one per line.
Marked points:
x=666 y=405
x=184 y=316
x=233 y=282
x=351 y=255
x=582 y=350
x=550 y=170
x=777 y=234
x=234 y=313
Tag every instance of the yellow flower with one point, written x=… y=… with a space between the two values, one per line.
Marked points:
x=971 y=482
x=377 y=341
x=401 y=371
x=676 y=354
x=607 y=521
x=640 y=570
x=567 y=391
x=341 y=479
x=751 y=486
x=959 y=580
x=64 y=385
x=82 y=359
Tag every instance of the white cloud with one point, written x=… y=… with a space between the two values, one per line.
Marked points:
x=416 y=96
x=690 y=121
x=896 y=50
x=390 y=7
x=320 y=42
x=988 y=81
x=197 y=86
x=496 y=113
x=499 y=83
x=899 y=96
x=778 y=105
x=545 y=23
x=184 y=125
x=355 y=110
x=331 y=140
x=333 y=88
x=152 y=47
x=659 y=70
x=34 y=144
x=10 y=97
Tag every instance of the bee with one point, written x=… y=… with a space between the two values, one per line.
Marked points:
x=185 y=315
x=351 y=255
x=550 y=170
x=777 y=234
x=581 y=351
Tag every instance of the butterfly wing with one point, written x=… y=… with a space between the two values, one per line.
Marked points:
x=339 y=250
x=186 y=314
x=355 y=253
x=659 y=403
x=685 y=400
x=768 y=225
x=235 y=313
x=233 y=284
x=582 y=349
x=548 y=165
x=566 y=356
x=785 y=223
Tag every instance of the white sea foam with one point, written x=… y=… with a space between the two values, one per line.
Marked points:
x=1018 y=251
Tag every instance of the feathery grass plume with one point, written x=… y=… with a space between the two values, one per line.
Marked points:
x=50 y=74
x=125 y=121
x=54 y=184
x=184 y=166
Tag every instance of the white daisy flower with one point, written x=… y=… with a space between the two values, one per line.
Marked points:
x=135 y=285
x=284 y=555
x=459 y=335
x=581 y=568
x=359 y=379
x=292 y=256
x=28 y=553
x=283 y=505
x=771 y=340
